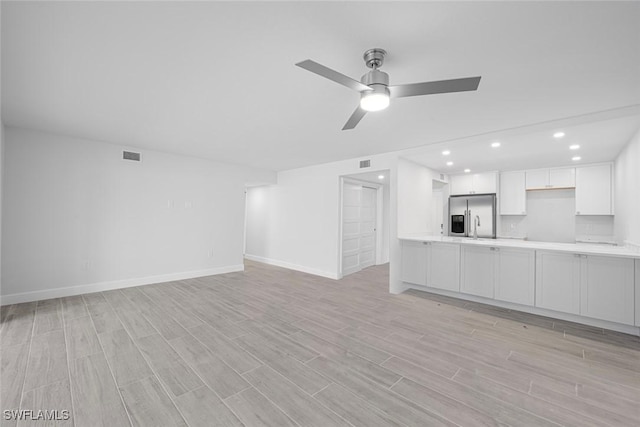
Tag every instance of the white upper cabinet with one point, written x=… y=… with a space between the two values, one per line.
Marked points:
x=550 y=178
x=461 y=184
x=513 y=195
x=485 y=183
x=538 y=178
x=562 y=178
x=593 y=190
x=477 y=183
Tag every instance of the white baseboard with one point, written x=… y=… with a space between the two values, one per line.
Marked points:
x=627 y=329
x=292 y=266
x=114 y=284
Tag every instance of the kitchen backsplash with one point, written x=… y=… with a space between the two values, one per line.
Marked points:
x=512 y=226
x=587 y=228
x=551 y=217
x=595 y=228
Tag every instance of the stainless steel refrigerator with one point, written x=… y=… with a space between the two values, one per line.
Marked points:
x=475 y=212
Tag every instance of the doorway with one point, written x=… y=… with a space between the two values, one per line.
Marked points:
x=363 y=221
x=358 y=227
x=439 y=207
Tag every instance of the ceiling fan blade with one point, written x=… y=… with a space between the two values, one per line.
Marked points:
x=330 y=74
x=354 y=119
x=430 y=88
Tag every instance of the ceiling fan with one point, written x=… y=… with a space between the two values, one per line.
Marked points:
x=374 y=86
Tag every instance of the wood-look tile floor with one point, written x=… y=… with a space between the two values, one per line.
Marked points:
x=276 y=347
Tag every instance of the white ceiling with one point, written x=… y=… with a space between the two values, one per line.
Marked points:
x=217 y=80
x=599 y=141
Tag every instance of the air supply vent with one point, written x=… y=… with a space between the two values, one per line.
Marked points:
x=130 y=155
x=365 y=164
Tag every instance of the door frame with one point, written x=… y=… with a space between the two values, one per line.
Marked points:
x=379 y=217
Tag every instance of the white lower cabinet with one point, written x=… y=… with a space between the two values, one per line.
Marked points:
x=606 y=290
x=596 y=286
x=600 y=287
x=515 y=275
x=432 y=264
x=477 y=267
x=414 y=262
x=444 y=266
x=638 y=292
x=558 y=281
x=505 y=274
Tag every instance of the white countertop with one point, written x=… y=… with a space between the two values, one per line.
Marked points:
x=582 y=248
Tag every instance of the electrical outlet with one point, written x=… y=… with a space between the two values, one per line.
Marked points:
x=170 y=204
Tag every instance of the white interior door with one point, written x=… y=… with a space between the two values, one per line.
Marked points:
x=368 y=208
x=359 y=207
x=351 y=196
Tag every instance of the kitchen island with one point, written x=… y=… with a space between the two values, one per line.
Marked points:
x=593 y=284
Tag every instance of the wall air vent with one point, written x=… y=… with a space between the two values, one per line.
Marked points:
x=130 y=155
x=365 y=164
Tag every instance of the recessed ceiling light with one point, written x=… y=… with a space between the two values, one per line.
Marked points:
x=574 y=147
x=558 y=135
x=495 y=144
x=467 y=170
x=449 y=163
x=446 y=152
x=576 y=158
x=380 y=176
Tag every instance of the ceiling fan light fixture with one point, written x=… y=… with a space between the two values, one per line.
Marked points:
x=374 y=85
x=376 y=99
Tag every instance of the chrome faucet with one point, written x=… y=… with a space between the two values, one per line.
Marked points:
x=476 y=223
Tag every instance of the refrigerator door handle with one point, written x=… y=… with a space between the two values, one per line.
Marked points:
x=467 y=224
x=464 y=231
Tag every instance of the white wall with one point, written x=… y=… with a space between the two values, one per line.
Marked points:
x=295 y=224
x=76 y=214
x=551 y=216
x=627 y=193
x=259 y=220
x=264 y=225
x=386 y=230
x=415 y=198
x=438 y=217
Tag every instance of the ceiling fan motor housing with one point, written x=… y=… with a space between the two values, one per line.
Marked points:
x=375 y=77
x=376 y=80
